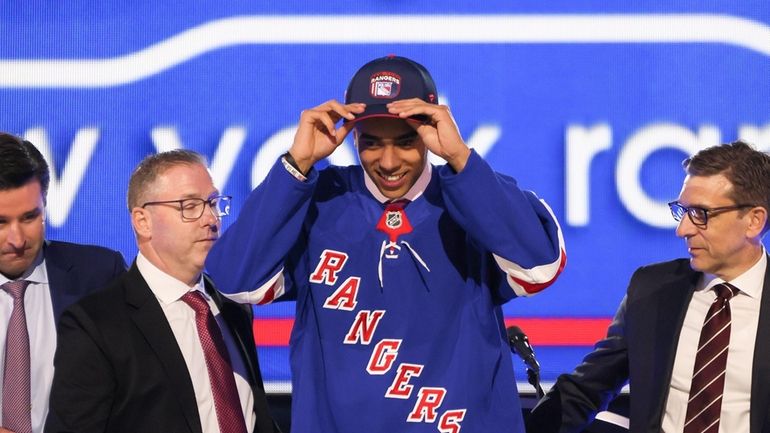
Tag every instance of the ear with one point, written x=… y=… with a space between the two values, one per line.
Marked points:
x=757 y=220
x=141 y=220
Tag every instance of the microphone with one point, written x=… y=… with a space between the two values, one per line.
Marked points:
x=519 y=343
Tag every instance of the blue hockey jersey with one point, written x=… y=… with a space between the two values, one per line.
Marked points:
x=396 y=330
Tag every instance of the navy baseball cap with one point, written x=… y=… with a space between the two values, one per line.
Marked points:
x=389 y=79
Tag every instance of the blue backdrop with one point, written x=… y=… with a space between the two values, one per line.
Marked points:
x=591 y=105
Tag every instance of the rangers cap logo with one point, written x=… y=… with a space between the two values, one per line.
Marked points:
x=385 y=85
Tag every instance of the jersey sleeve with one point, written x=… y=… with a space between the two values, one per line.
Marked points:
x=247 y=262
x=518 y=228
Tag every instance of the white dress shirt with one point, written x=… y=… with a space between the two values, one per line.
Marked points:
x=41 y=327
x=181 y=318
x=744 y=310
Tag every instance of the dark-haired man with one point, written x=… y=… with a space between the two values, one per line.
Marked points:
x=399 y=268
x=691 y=336
x=39 y=279
x=159 y=350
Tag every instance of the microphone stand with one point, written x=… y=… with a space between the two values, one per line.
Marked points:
x=534 y=379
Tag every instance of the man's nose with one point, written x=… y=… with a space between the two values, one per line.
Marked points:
x=210 y=217
x=389 y=159
x=15 y=236
x=685 y=228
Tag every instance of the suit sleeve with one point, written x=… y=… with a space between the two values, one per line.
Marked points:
x=83 y=383
x=518 y=228
x=248 y=261
x=576 y=398
x=118 y=265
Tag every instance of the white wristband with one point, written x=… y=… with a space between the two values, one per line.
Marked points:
x=293 y=171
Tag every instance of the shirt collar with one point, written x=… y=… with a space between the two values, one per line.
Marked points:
x=165 y=287
x=414 y=192
x=36 y=273
x=750 y=282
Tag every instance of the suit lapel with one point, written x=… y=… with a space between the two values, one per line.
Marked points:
x=760 y=388
x=671 y=307
x=61 y=278
x=239 y=325
x=151 y=322
x=235 y=318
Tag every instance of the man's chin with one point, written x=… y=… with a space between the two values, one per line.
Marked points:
x=391 y=193
x=15 y=271
x=697 y=265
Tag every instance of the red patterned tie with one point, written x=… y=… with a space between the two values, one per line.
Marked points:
x=17 y=406
x=226 y=401
x=708 y=380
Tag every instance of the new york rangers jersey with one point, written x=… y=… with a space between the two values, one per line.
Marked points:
x=398 y=322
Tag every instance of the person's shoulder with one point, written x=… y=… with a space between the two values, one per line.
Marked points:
x=63 y=247
x=332 y=172
x=103 y=314
x=334 y=178
x=104 y=299
x=90 y=261
x=673 y=267
x=661 y=274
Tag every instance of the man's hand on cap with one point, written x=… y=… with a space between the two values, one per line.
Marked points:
x=317 y=136
x=439 y=132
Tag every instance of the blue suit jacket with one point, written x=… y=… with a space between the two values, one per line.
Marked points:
x=640 y=348
x=75 y=270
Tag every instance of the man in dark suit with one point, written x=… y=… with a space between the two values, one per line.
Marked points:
x=159 y=350
x=39 y=277
x=691 y=336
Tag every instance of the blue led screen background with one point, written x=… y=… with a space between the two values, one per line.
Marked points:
x=593 y=106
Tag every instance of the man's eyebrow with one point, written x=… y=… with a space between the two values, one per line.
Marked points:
x=27 y=214
x=408 y=135
x=33 y=212
x=189 y=195
x=693 y=205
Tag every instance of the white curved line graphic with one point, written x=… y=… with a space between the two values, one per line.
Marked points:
x=382 y=29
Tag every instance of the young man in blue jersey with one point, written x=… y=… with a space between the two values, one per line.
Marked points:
x=398 y=267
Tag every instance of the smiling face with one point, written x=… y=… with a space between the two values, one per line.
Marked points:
x=391 y=153
x=177 y=247
x=730 y=243
x=21 y=227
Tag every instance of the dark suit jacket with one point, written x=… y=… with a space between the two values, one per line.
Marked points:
x=119 y=368
x=640 y=347
x=75 y=270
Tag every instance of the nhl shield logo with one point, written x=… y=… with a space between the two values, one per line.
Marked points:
x=385 y=85
x=393 y=219
x=394 y=222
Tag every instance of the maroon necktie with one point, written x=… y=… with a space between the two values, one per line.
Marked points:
x=17 y=402
x=708 y=381
x=226 y=401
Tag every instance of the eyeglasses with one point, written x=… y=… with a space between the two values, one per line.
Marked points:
x=699 y=216
x=192 y=208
